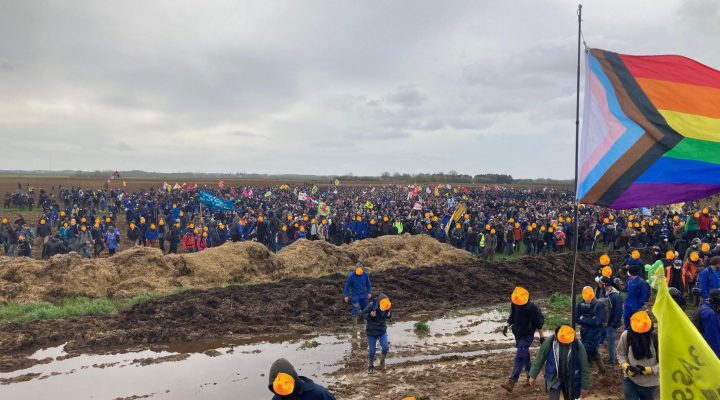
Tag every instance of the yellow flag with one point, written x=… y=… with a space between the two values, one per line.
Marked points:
x=337 y=182
x=689 y=369
x=459 y=212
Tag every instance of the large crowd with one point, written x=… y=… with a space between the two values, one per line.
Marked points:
x=483 y=220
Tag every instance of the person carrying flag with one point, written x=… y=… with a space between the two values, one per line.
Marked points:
x=637 y=354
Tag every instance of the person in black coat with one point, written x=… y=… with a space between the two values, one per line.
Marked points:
x=285 y=384
x=376 y=315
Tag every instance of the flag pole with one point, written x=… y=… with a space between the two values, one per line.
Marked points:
x=577 y=147
x=576 y=235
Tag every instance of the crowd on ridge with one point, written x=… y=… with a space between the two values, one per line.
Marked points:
x=492 y=219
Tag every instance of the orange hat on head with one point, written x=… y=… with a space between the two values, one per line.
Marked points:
x=606 y=271
x=640 y=322
x=588 y=293
x=520 y=296
x=565 y=334
x=385 y=304
x=284 y=384
x=670 y=255
x=604 y=260
x=635 y=254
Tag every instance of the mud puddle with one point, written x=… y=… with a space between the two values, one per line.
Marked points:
x=238 y=368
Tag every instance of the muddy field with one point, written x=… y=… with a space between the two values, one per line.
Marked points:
x=218 y=342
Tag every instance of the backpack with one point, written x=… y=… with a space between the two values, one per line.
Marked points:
x=605 y=303
x=697 y=321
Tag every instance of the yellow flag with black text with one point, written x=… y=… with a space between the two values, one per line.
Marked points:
x=689 y=369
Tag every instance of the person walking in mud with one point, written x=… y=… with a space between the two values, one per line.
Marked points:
x=590 y=315
x=376 y=315
x=556 y=354
x=525 y=318
x=286 y=384
x=358 y=291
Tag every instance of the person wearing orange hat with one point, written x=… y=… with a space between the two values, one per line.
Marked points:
x=637 y=354
x=565 y=361
x=590 y=315
x=286 y=384
x=525 y=318
x=376 y=315
x=357 y=291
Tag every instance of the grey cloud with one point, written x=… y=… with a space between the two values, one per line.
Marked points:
x=368 y=85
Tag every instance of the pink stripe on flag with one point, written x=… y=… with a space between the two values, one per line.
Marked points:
x=607 y=137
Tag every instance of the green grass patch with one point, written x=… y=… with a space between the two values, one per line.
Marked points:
x=421 y=327
x=73 y=307
x=309 y=344
x=557 y=310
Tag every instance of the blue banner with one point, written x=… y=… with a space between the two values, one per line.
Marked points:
x=215 y=203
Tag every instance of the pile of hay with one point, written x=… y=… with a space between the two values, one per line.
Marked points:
x=142 y=270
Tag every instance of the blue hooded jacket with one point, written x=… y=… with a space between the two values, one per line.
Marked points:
x=359 y=285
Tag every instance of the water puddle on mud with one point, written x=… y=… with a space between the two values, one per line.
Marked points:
x=238 y=368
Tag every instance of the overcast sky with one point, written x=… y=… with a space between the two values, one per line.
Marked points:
x=319 y=87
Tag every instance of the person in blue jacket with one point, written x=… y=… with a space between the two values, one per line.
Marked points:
x=285 y=384
x=709 y=278
x=358 y=290
x=637 y=294
x=590 y=315
x=710 y=320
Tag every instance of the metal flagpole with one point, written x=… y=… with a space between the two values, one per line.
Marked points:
x=571 y=389
x=577 y=147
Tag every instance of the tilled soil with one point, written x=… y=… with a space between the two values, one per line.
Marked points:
x=297 y=305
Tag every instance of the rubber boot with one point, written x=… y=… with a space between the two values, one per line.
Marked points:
x=382 y=362
x=509 y=385
x=371 y=365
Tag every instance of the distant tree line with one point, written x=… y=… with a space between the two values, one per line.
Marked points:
x=385 y=177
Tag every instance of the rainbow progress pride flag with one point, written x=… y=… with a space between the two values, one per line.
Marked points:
x=651 y=131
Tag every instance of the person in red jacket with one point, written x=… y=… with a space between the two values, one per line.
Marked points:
x=675 y=276
x=517 y=236
x=704 y=222
x=201 y=243
x=188 y=241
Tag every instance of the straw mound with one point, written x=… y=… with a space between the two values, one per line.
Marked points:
x=140 y=270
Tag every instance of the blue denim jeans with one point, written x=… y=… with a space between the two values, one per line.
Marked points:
x=610 y=339
x=358 y=304
x=636 y=392
x=522 y=356
x=372 y=344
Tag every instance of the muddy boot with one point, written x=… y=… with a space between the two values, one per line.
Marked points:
x=382 y=362
x=509 y=385
x=600 y=365
x=371 y=365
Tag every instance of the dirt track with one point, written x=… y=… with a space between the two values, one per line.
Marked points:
x=297 y=304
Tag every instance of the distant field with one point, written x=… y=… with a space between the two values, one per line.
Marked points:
x=10 y=183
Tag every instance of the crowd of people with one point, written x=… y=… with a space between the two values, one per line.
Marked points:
x=602 y=312
x=482 y=220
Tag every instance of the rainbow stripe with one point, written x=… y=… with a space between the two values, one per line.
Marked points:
x=651 y=131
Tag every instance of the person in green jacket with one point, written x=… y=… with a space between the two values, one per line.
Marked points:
x=556 y=354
